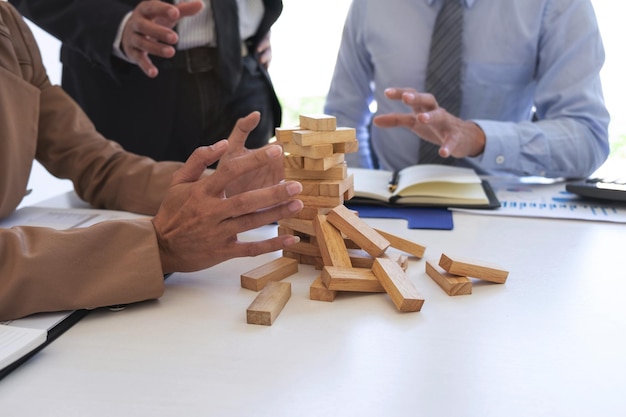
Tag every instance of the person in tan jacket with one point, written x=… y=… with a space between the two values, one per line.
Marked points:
x=197 y=213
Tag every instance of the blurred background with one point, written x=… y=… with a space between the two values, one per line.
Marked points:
x=305 y=41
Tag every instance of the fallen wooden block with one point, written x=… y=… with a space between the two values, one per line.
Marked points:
x=269 y=303
x=474 y=269
x=451 y=284
x=357 y=230
x=275 y=270
x=396 y=283
x=330 y=241
x=350 y=279
x=319 y=292
x=403 y=244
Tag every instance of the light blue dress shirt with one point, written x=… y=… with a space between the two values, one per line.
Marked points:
x=520 y=56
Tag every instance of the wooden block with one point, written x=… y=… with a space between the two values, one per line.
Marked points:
x=338 y=172
x=323 y=164
x=396 y=283
x=356 y=229
x=269 y=303
x=472 y=268
x=359 y=258
x=285 y=134
x=274 y=270
x=346 y=147
x=318 y=122
x=309 y=213
x=451 y=284
x=320 y=201
x=305 y=248
x=300 y=225
x=293 y=161
x=337 y=188
x=312 y=137
x=319 y=292
x=331 y=243
x=350 y=279
x=313 y=151
x=404 y=245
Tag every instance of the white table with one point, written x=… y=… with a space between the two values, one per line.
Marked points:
x=549 y=342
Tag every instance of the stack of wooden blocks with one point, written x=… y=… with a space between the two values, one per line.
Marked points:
x=350 y=254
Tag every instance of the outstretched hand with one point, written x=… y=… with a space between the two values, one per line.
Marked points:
x=197 y=224
x=456 y=137
x=149 y=31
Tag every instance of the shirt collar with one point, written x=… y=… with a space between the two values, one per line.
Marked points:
x=466 y=3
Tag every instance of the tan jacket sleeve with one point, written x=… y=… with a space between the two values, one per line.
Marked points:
x=47 y=270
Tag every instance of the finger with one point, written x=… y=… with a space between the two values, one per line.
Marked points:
x=145 y=63
x=189 y=8
x=250 y=249
x=394 y=120
x=265 y=198
x=262 y=217
x=396 y=93
x=242 y=129
x=197 y=162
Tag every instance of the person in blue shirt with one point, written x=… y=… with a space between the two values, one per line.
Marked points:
x=532 y=98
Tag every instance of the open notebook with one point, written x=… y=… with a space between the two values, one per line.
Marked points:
x=21 y=339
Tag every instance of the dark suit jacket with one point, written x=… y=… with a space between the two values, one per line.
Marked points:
x=116 y=95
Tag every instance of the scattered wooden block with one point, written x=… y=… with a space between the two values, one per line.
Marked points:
x=474 y=269
x=319 y=292
x=350 y=279
x=331 y=243
x=356 y=229
x=269 y=303
x=318 y=122
x=404 y=245
x=396 y=283
x=274 y=270
x=451 y=284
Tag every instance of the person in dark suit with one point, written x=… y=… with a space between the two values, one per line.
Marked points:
x=146 y=86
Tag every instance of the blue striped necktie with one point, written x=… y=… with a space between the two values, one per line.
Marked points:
x=443 y=76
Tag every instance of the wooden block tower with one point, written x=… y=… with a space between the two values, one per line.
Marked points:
x=350 y=253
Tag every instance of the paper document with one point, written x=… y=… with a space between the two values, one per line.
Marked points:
x=549 y=200
x=16 y=342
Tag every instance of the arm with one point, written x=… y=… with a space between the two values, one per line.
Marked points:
x=350 y=93
x=570 y=137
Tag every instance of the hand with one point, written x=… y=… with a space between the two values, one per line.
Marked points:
x=456 y=137
x=197 y=225
x=264 y=176
x=264 y=50
x=148 y=31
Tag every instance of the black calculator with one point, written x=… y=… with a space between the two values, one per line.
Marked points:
x=611 y=189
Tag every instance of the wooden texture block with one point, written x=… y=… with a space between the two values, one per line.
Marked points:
x=451 y=284
x=321 y=201
x=336 y=188
x=274 y=270
x=322 y=164
x=300 y=225
x=331 y=243
x=293 y=161
x=404 y=245
x=346 y=147
x=473 y=268
x=319 y=292
x=314 y=151
x=318 y=122
x=269 y=303
x=397 y=284
x=338 y=172
x=284 y=134
x=312 y=137
x=356 y=229
x=350 y=279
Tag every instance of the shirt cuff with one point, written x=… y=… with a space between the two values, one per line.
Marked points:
x=117 y=42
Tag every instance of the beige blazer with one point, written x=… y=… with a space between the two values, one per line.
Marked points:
x=47 y=270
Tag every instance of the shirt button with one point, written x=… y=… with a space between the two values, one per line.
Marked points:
x=500 y=159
